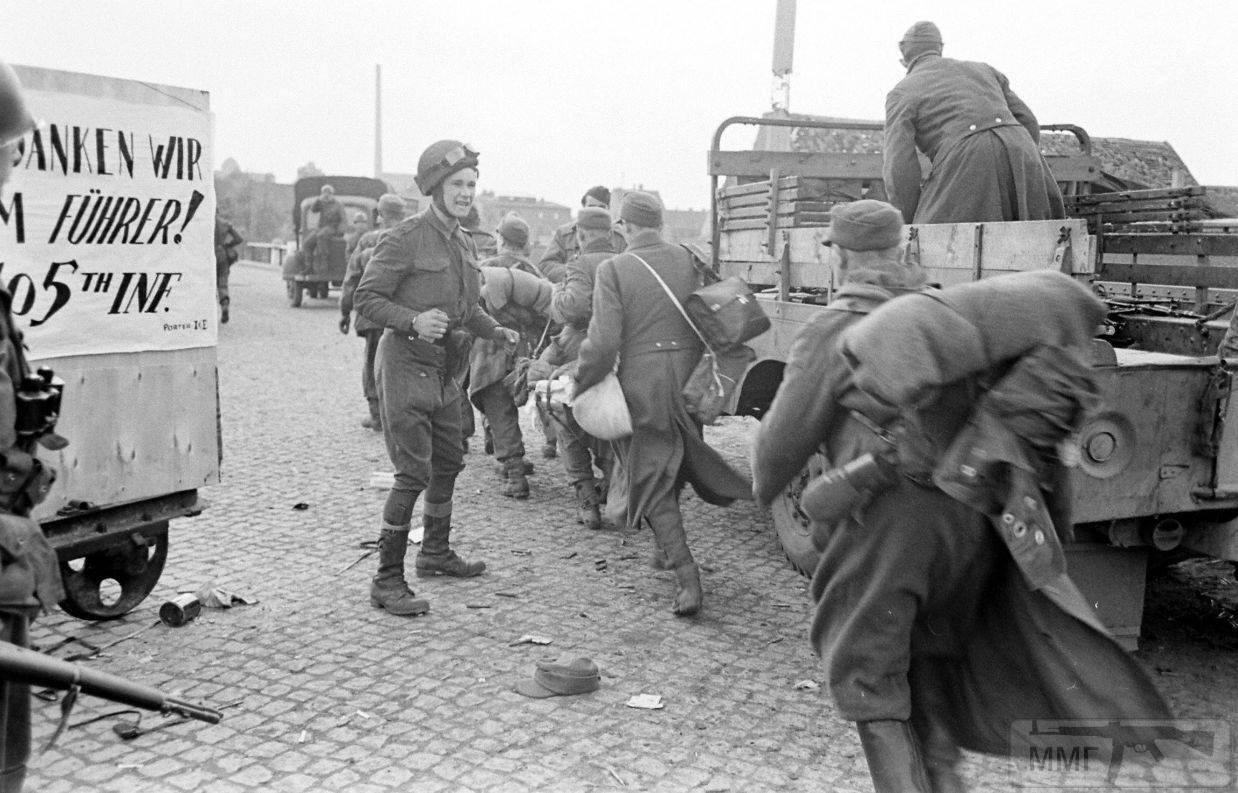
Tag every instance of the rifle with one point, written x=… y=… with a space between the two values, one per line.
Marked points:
x=20 y=665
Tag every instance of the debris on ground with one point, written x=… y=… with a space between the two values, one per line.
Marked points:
x=807 y=685
x=530 y=638
x=213 y=597
x=645 y=702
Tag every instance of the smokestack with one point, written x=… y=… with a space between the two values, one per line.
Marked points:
x=378 y=121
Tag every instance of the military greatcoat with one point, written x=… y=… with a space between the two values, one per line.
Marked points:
x=635 y=322
x=981 y=139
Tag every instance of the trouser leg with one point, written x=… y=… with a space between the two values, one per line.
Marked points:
x=504 y=421
x=666 y=521
x=368 y=385
x=14 y=712
x=893 y=755
x=550 y=449
x=436 y=556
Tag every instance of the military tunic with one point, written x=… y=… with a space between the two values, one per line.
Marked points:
x=981 y=140
x=564 y=247
x=419 y=265
x=364 y=328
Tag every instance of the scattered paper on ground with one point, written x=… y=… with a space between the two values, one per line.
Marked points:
x=213 y=597
x=646 y=702
x=530 y=638
x=807 y=685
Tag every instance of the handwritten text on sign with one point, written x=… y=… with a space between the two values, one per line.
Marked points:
x=107 y=227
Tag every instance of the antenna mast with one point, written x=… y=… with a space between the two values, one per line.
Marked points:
x=378 y=121
x=784 y=52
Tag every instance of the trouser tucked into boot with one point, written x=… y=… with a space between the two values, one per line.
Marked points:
x=893 y=755
x=436 y=556
x=516 y=482
x=388 y=589
x=587 y=511
x=666 y=521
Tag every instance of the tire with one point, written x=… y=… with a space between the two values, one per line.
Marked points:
x=132 y=566
x=295 y=288
x=792 y=526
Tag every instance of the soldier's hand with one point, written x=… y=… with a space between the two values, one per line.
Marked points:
x=509 y=337
x=431 y=325
x=345 y=321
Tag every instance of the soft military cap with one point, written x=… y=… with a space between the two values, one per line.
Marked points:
x=391 y=205
x=593 y=218
x=922 y=32
x=597 y=193
x=643 y=209
x=514 y=230
x=865 y=225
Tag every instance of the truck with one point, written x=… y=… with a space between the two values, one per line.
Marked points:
x=107 y=233
x=1158 y=465
x=314 y=279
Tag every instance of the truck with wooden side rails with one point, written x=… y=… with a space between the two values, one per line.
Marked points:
x=1158 y=464
x=107 y=244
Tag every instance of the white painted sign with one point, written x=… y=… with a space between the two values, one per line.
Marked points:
x=107 y=227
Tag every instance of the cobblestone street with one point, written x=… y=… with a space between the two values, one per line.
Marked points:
x=322 y=692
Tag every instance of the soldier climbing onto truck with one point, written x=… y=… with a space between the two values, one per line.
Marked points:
x=979 y=136
x=330 y=224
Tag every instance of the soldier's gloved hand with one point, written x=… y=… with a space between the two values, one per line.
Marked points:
x=345 y=321
x=509 y=337
x=431 y=325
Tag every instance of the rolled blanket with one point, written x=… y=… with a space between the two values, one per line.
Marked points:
x=921 y=341
x=503 y=285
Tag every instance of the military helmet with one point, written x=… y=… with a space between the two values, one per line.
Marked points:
x=15 y=118
x=441 y=160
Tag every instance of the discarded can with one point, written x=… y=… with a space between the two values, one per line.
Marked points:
x=179 y=610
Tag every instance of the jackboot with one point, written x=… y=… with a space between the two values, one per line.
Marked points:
x=436 y=556
x=501 y=468
x=517 y=483
x=587 y=512
x=893 y=754
x=388 y=589
x=687 y=590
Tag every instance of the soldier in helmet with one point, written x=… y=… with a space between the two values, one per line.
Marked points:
x=422 y=284
x=390 y=212
x=29 y=577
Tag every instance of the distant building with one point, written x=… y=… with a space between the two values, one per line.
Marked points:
x=543 y=217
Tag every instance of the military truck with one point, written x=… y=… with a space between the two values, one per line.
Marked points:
x=314 y=279
x=107 y=235
x=1159 y=463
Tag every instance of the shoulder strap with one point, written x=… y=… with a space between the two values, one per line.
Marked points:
x=674 y=299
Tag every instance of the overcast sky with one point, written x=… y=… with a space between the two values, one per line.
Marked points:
x=560 y=95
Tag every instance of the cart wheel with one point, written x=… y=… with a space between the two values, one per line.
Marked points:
x=107 y=584
x=793 y=527
x=294 y=293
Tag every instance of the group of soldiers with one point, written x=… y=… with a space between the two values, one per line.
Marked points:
x=943 y=609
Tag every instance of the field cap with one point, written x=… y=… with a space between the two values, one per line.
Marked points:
x=593 y=218
x=514 y=230
x=865 y=225
x=643 y=209
x=552 y=679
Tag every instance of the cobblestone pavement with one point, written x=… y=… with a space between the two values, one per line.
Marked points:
x=321 y=692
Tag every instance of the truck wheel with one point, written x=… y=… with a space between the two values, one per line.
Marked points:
x=107 y=584
x=294 y=293
x=792 y=525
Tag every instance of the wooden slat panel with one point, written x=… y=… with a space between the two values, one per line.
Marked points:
x=1215 y=276
x=947 y=250
x=812 y=164
x=1175 y=244
x=1139 y=195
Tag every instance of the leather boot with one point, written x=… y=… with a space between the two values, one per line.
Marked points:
x=687 y=590
x=501 y=468
x=893 y=754
x=517 y=483
x=436 y=556
x=388 y=589
x=587 y=511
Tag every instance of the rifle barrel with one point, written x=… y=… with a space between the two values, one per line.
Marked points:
x=21 y=665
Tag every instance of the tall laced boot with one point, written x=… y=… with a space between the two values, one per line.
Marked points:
x=436 y=556
x=667 y=525
x=516 y=482
x=388 y=589
x=893 y=755
x=587 y=511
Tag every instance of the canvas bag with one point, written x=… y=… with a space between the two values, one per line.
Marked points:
x=726 y=313
x=711 y=386
x=602 y=411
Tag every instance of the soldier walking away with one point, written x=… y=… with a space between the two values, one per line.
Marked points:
x=330 y=224
x=982 y=141
x=422 y=285
x=29 y=572
x=571 y=305
x=226 y=242
x=942 y=618
x=635 y=322
x=563 y=245
x=390 y=212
